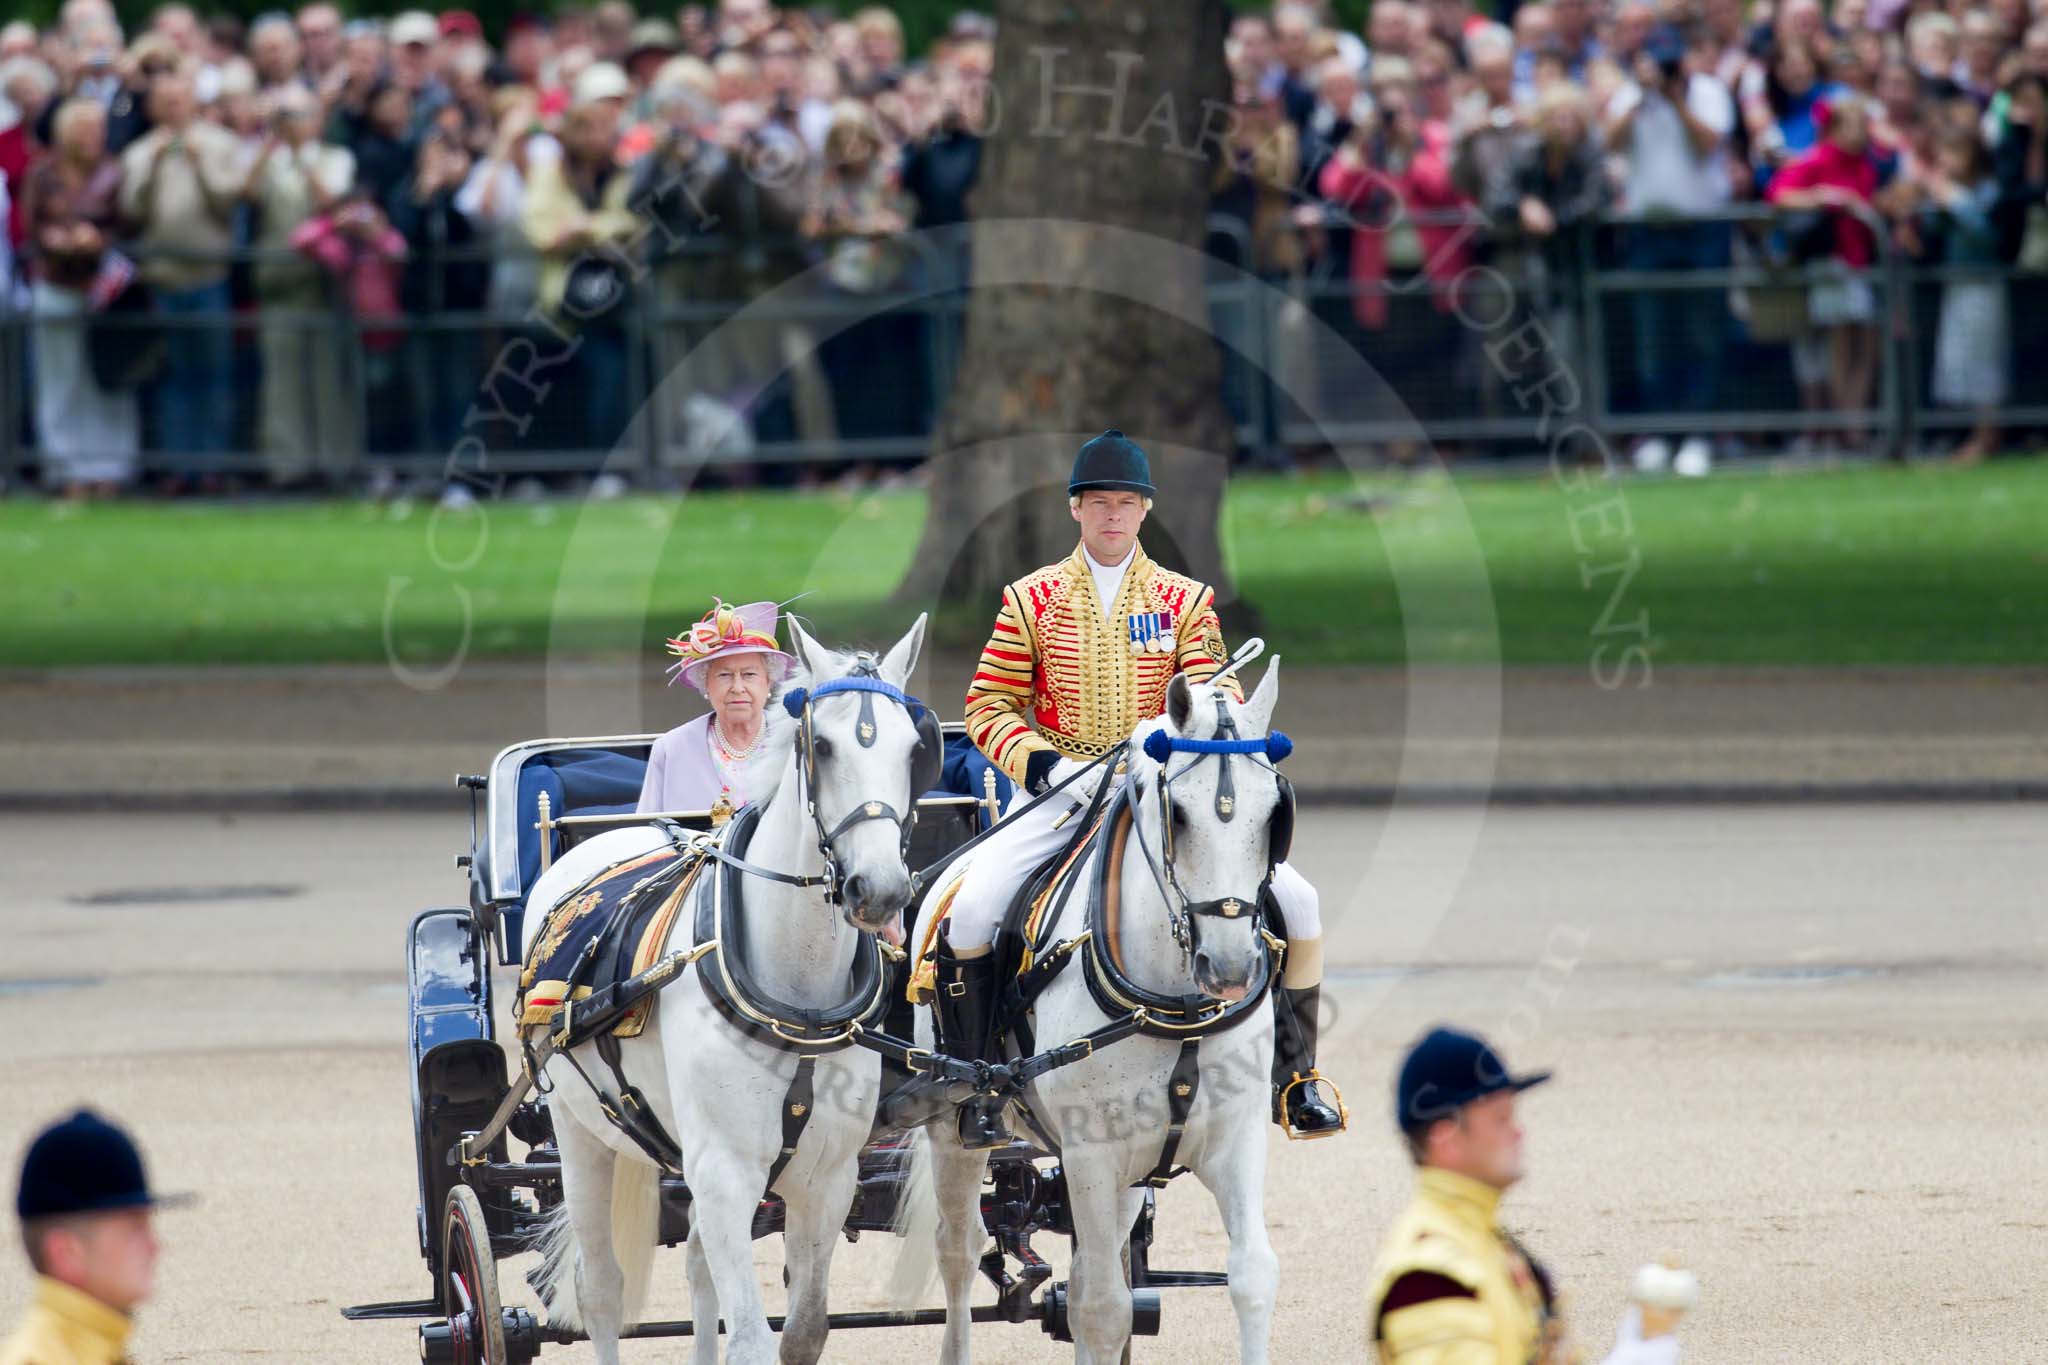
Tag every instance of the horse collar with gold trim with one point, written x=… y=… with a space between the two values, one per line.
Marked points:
x=720 y=928
x=1114 y=993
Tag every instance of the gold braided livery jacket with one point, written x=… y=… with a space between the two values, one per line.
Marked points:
x=1452 y=1288
x=66 y=1326
x=1056 y=662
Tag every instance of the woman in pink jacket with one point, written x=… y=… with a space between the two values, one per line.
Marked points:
x=1391 y=179
x=1838 y=175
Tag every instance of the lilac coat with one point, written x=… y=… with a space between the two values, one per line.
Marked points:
x=680 y=773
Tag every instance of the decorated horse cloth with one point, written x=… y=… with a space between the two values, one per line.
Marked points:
x=1027 y=957
x=614 y=926
x=1027 y=924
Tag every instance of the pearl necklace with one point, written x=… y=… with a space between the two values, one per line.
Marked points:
x=725 y=749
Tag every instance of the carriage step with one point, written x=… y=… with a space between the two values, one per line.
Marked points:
x=384 y=1312
x=1186 y=1279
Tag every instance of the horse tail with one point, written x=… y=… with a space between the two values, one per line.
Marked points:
x=916 y=1223
x=636 y=1223
x=636 y=1214
x=559 y=1260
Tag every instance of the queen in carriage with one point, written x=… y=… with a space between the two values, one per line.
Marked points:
x=731 y=656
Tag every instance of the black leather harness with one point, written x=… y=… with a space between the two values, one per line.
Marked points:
x=719 y=951
x=1114 y=993
x=742 y=1002
x=1186 y=1019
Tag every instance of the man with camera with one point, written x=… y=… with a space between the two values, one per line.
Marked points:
x=1671 y=123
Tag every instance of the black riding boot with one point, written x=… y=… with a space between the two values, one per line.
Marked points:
x=1300 y=1105
x=967 y=999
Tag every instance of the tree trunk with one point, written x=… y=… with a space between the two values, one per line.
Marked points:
x=1087 y=304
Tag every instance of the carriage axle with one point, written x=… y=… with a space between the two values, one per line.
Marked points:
x=440 y=1342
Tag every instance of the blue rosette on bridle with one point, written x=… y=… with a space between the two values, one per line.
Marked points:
x=1159 y=745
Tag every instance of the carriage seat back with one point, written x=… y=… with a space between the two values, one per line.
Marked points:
x=577 y=782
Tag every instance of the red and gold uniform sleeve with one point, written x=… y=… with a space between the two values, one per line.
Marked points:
x=1200 y=651
x=999 y=698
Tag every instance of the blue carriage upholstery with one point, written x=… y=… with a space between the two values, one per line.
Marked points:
x=577 y=782
x=962 y=774
x=606 y=781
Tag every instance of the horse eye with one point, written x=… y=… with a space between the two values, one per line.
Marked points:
x=822 y=747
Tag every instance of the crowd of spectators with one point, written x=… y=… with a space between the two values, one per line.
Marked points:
x=1918 y=125
x=415 y=176
x=249 y=183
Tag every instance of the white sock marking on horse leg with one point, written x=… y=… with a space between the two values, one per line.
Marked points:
x=723 y=1195
x=703 y=1302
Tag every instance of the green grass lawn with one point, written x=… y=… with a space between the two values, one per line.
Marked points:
x=1875 y=565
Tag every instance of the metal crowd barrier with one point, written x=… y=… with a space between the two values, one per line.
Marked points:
x=1470 y=333
x=1459 y=357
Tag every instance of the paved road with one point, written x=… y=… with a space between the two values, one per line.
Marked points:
x=1802 y=1048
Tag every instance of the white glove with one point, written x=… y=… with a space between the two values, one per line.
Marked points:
x=1083 y=789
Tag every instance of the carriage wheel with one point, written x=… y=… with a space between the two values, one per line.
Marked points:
x=469 y=1283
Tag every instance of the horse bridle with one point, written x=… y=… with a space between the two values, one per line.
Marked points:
x=1183 y=912
x=866 y=681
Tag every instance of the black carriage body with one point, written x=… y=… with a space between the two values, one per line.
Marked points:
x=458 y=1069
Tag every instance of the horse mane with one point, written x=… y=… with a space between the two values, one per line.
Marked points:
x=764 y=767
x=763 y=770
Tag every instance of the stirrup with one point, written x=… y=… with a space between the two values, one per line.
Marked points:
x=1287 y=1091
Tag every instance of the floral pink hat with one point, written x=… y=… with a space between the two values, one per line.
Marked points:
x=728 y=630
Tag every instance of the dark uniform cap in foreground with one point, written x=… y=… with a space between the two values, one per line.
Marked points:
x=84 y=1164
x=1447 y=1070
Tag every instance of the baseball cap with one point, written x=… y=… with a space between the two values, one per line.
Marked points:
x=414 y=26
x=460 y=23
x=602 y=81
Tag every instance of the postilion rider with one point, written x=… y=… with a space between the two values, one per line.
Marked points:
x=85 y=1209
x=1082 y=652
x=1451 y=1286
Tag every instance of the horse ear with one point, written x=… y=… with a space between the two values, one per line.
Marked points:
x=814 y=657
x=1258 y=710
x=1180 y=703
x=902 y=656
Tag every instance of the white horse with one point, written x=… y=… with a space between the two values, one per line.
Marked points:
x=719 y=1091
x=1108 y=1114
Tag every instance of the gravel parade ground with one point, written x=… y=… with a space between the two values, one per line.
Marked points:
x=1803 y=1049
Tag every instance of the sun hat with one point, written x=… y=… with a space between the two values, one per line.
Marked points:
x=414 y=26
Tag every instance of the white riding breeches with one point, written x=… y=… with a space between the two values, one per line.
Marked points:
x=1024 y=841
